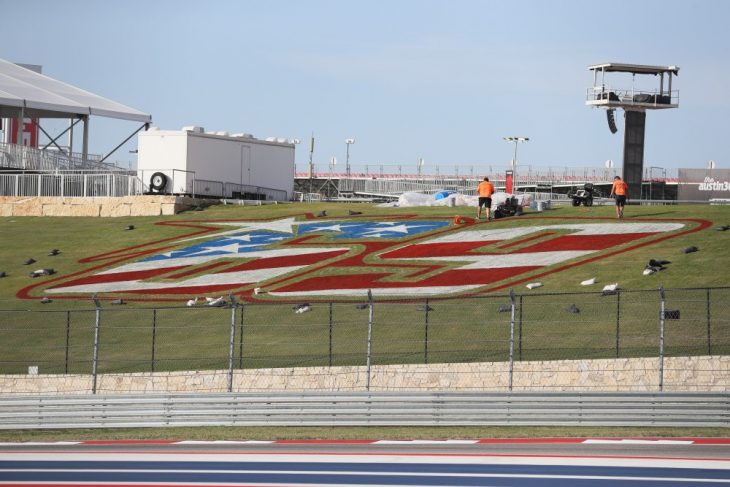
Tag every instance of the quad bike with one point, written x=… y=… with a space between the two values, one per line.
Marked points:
x=511 y=207
x=583 y=196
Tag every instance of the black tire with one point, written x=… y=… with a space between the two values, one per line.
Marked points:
x=589 y=202
x=158 y=181
x=576 y=202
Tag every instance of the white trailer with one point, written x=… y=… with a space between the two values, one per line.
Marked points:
x=192 y=161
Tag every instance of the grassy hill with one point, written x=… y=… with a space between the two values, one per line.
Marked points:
x=139 y=337
x=79 y=238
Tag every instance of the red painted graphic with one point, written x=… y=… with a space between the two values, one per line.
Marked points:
x=394 y=257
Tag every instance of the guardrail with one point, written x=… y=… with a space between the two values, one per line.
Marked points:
x=367 y=409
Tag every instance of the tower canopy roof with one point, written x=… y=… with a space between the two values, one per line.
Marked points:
x=634 y=68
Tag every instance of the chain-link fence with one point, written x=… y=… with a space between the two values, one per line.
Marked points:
x=509 y=329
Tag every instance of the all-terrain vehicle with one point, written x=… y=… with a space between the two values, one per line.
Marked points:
x=583 y=196
x=510 y=207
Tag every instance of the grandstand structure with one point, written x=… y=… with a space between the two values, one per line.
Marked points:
x=29 y=168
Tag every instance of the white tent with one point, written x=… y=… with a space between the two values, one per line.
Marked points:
x=45 y=97
x=25 y=93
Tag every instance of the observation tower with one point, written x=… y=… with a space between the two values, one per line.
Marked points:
x=634 y=98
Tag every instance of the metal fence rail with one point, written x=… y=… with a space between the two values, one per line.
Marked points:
x=15 y=156
x=511 y=329
x=70 y=184
x=365 y=409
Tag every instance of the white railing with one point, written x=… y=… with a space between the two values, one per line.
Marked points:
x=599 y=95
x=69 y=185
x=13 y=156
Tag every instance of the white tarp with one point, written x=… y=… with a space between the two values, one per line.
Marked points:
x=455 y=199
x=48 y=97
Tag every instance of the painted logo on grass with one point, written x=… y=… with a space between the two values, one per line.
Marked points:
x=400 y=257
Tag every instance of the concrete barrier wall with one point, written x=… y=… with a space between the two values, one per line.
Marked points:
x=143 y=205
x=708 y=373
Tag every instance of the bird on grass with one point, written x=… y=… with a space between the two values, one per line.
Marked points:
x=689 y=250
x=302 y=308
x=192 y=302
x=220 y=301
x=42 y=272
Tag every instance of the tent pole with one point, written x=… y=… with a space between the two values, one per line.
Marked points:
x=85 y=141
x=19 y=131
x=58 y=136
x=144 y=126
x=52 y=141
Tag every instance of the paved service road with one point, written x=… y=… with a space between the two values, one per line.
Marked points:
x=445 y=463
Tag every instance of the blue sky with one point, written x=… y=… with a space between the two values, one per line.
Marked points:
x=441 y=80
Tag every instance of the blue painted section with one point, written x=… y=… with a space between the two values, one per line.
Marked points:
x=379 y=230
x=249 y=242
x=239 y=243
x=295 y=473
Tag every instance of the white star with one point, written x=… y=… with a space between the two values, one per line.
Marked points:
x=229 y=249
x=395 y=229
x=331 y=228
x=242 y=238
x=284 y=225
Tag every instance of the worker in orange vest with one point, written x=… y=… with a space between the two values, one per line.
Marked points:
x=485 y=190
x=619 y=190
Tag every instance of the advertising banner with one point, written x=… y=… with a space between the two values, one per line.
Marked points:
x=704 y=184
x=30 y=132
x=508 y=182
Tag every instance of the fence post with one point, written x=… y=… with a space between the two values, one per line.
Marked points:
x=520 y=330
x=95 y=360
x=511 y=337
x=661 y=337
x=240 y=341
x=68 y=337
x=330 y=332
x=154 y=338
x=370 y=337
x=709 y=330
x=425 y=337
x=618 y=321
x=231 y=342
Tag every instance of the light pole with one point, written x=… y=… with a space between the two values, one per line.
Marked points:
x=516 y=141
x=348 y=143
x=311 y=163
